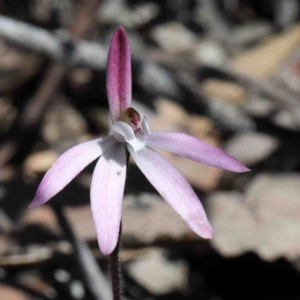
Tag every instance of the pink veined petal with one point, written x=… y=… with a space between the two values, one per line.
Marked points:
x=174 y=188
x=118 y=78
x=106 y=196
x=192 y=148
x=67 y=166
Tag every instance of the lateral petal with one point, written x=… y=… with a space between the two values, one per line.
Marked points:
x=107 y=191
x=174 y=188
x=118 y=76
x=68 y=165
x=194 y=149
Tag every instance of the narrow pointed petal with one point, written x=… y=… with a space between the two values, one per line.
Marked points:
x=106 y=196
x=118 y=78
x=145 y=127
x=194 y=149
x=174 y=188
x=67 y=166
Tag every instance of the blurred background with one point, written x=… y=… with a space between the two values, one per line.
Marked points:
x=224 y=71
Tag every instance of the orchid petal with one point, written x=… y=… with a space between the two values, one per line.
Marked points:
x=118 y=78
x=67 y=166
x=106 y=196
x=124 y=133
x=192 y=148
x=174 y=188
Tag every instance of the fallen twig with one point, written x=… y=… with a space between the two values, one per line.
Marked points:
x=32 y=114
x=34 y=294
x=284 y=100
x=58 y=48
x=92 y=275
x=35 y=256
x=34 y=111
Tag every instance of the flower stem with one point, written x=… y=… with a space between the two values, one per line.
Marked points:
x=115 y=272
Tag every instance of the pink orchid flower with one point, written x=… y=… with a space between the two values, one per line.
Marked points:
x=131 y=132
